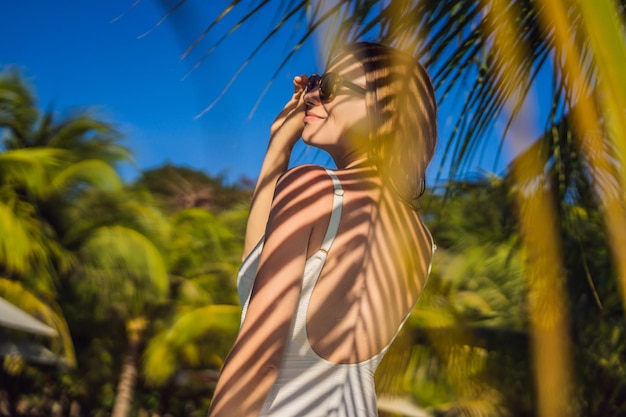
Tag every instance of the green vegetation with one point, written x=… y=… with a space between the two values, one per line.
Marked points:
x=138 y=279
x=466 y=349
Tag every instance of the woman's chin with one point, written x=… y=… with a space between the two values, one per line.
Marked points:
x=308 y=135
x=310 y=141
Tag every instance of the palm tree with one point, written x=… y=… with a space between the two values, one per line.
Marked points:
x=120 y=273
x=24 y=173
x=45 y=165
x=204 y=253
x=31 y=256
x=157 y=275
x=170 y=280
x=69 y=224
x=85 y=136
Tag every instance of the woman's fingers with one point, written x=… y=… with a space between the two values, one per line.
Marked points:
x=300 y=82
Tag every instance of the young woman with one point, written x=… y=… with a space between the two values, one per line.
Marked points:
x=334 y=261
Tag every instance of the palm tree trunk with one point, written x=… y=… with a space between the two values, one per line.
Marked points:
x=128 y=375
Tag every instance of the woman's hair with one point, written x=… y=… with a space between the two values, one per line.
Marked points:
x=402 y=112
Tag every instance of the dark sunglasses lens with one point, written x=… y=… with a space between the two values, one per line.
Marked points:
x=313 y=80
x=327 y=86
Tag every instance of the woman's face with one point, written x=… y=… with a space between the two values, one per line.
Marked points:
x=338 y=126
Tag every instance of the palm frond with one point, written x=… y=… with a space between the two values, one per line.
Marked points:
x=456 y=41
x=177 y=347
x=124 y=268
x=17 y=248
x=92 y=171
x=28 y=248
x=256 y=50
x=17 y=108
x=219 y=18
x=86 y=137
x=32 y=168
x=97 y=208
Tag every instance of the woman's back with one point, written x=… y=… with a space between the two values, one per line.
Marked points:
x=330 y=372
x=373 y=275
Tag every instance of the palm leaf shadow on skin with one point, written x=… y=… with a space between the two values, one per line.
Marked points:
x=366 y=304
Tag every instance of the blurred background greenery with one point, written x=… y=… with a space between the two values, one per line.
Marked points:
x=133 y=284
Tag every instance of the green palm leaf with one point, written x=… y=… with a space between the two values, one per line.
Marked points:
x=92 y=171
x=179 y=346
x=28 y=248
x=32 y=168
x=123 y=268
x=87 y=138
x=17 y=107
x=17 y=247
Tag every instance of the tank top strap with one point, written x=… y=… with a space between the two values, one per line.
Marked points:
x=335 y=215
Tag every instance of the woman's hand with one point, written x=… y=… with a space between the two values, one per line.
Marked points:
x=288 y=125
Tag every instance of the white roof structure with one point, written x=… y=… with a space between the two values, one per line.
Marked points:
x=14 y=318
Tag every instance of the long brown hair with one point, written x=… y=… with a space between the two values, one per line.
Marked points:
x=402 y=112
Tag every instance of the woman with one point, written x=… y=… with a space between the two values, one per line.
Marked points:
x=334 y=260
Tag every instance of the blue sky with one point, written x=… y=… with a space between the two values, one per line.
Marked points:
x=82 y=53
x=111 y=58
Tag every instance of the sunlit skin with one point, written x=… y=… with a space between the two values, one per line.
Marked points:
x=336 y=125
x=374 y=272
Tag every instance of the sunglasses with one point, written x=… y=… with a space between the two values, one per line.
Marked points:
x=328 y=84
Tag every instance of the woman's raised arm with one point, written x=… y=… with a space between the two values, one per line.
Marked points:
x=303 y=196
x=284 y=133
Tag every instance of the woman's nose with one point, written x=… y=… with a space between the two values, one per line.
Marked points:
x=312 y=96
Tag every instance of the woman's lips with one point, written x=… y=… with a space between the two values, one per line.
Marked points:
x=310 y=117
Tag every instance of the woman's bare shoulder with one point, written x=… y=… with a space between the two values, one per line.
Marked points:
x=304 y=180
x=303 y=195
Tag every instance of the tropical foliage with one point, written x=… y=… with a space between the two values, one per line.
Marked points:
x=468 y=349
x=112 y=268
